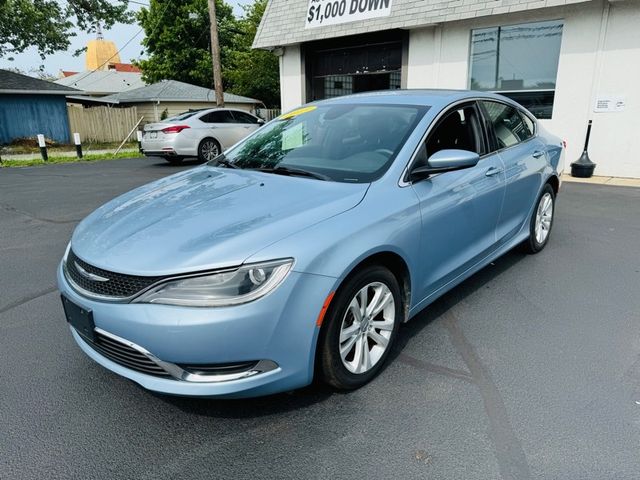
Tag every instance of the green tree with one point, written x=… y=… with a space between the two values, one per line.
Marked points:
x=254 y=73
x=177 y=40
x=48 y=24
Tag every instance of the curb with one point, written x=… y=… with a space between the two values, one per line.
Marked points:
x=597 y=180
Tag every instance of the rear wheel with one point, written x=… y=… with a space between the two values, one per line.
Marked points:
x=359 y=328
x=208 y=149
x=541 y=221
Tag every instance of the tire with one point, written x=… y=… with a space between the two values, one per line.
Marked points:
x=341 y=370
x=208 y=149
x=538 y=238
x=174 y=160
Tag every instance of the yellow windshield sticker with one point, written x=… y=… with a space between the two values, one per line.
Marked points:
x=297 y=112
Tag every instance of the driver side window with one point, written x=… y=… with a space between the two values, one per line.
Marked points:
x=459 y=129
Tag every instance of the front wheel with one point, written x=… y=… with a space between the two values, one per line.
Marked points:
x=541 y=221
x=359 y=328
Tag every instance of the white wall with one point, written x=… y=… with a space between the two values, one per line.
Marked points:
x=591 y=65
x=439 y=58
x=291 y=78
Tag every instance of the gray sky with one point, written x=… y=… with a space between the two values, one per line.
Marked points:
x=120 y=34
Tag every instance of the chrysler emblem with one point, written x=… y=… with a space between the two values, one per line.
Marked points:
x=89 y=275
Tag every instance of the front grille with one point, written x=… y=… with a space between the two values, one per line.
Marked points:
x=116 y=285
x=125 y=355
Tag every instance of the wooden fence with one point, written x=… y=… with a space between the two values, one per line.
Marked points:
x=268 y=114
x=102 y=124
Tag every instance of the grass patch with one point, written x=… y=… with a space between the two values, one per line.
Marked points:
x=30 y=145
x=56 y=160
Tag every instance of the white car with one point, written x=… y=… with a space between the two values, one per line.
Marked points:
x=204 y=134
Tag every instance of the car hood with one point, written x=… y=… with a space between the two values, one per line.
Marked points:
x=205 y=218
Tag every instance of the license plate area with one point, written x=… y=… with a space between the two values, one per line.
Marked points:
x=79 y=318
x=153 y=135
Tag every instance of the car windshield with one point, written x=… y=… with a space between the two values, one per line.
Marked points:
x=344 y=143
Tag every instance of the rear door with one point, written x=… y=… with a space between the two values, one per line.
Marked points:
x=224 y=127
x=523 y=154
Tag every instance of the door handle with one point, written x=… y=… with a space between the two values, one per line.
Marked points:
x=538 y=153
x=493 y=171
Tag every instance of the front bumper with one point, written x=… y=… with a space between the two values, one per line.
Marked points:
x=278 y=328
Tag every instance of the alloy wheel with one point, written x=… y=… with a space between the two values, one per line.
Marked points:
x=367 y=327
x=544 y=216
x=209 y=150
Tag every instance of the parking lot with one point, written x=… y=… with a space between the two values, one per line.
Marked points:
x=528 y=370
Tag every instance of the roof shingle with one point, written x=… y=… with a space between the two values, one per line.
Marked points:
x=16 y=83
x=174 y=91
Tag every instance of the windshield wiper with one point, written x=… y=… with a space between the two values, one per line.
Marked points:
x=295 y=172
x=222 y=160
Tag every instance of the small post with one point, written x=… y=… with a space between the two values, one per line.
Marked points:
x=584 y=167
x=76 y=140
x=43 y=147
x=139 y=136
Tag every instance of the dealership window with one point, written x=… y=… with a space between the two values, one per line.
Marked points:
x=518 y=61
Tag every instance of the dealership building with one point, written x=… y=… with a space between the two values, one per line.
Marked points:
x=567 y=61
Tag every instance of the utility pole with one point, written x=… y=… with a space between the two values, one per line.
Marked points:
x=215 y=54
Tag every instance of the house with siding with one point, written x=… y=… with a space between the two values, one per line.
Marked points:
x=169 y=97
x=30 y=106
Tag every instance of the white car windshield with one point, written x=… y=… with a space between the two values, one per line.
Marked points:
x=341 y=142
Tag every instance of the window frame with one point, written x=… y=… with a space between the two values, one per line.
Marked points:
x=238 y=118
x=484 y=146
x=405 y=178
x=494 y=146
x=221 y=111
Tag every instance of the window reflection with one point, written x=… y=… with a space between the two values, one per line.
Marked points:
x=520 y=61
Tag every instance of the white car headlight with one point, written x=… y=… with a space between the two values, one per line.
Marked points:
x=245 y=284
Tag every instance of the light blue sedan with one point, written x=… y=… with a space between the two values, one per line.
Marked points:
x=299 y=252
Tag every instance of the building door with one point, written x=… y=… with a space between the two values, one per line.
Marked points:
x=347 y=65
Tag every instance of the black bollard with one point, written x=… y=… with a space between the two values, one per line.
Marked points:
x=584 y=167
x=76 y=140
x=43 y=147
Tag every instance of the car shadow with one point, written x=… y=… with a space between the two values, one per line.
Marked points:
x=187 y=162
x=317 y=392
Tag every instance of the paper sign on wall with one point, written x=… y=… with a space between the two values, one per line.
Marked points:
x=609 y=104
x=332 y=12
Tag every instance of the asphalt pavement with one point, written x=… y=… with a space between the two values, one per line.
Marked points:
x=528 y=370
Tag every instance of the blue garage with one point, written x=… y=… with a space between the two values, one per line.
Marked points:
x=29 y=106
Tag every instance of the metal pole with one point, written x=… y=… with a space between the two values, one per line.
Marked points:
x=215 y=54
x=43 y=147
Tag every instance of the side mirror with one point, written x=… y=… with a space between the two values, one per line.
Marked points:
x=260 y=122
x=446 y=161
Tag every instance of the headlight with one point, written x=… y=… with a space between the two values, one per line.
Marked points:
x=247 y=283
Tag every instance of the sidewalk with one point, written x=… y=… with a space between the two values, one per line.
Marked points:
x=597 y=180
x=69 y=153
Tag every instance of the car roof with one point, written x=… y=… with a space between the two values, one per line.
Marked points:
x=437 y=98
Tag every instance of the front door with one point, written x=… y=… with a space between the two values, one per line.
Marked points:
x=459 y=209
